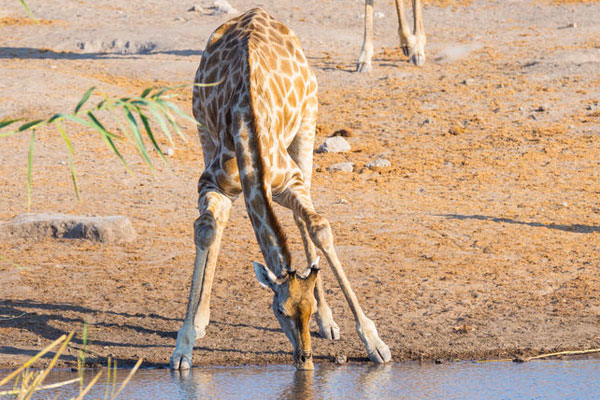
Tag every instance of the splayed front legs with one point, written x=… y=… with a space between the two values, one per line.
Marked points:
x=208 y=229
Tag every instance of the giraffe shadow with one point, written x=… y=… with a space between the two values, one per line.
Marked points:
x=575 y=228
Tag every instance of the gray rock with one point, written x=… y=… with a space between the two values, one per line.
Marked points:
x=378 y=163
x=118 y=46
x=111 y=229
x=336 y=144
x=342 y=166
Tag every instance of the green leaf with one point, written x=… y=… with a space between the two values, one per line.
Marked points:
x=137 y=135
x=28 y=11
x=151 y=135
x=85 y=98
x=173 y=107
x=74 y=177
x=146 y=91
x=161 y=122
x=7 y=122
x=29 y=168
x=65 y=137
x=106 y=136
x=30 y=124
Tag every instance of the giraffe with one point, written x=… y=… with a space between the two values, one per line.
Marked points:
x=413 y=44
x=257 y=129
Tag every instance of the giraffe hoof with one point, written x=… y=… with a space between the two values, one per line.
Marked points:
x=381 y=354
x=418 y=59
x=363 y=67
x=405 y=50
x=180 y=362
x=331 y=332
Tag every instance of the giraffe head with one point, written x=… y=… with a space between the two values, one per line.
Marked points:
x=293 y=304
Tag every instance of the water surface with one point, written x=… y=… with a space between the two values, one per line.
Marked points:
x=464 y=380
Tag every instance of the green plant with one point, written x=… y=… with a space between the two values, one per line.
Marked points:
x=28 y=382
x=28 y=11
x=133 y=122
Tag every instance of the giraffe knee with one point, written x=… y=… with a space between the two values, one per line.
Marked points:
x=320 y=231
x=205 y=230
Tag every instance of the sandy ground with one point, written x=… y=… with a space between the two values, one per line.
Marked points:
x=481 y=240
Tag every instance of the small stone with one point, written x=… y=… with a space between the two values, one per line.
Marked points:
x=427 y=121
x=342 y=133
x=564 y=204
x=378 y=163
x=222 y=7
x=541 y=108
x=196 y=8
x=342 y=166
x=468 y=81
x=379 y=14
x=341 y=359
x=169 y=152
x=335 y=144
x=342 y=201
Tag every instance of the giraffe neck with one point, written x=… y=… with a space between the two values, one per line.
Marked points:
x=256 y=187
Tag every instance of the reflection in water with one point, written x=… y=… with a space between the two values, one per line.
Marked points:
x=301 y=387
x=541 y=379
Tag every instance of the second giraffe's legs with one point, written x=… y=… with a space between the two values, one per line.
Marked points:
x=208 y=228
x=297 y=198
x=413 y=44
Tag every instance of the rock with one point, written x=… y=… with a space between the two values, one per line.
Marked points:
x=197 y=8
x=335 y=144
x=342 y=201
x=110 y=229
x=341 y=359
x=468 y=81
x=541 y=108
x=222 y=7
x=342 y=166
x=118 y=46
x=378 y=163
x=379 y=14
x=169 y=152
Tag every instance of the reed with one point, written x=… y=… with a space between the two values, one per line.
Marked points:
x=27 y=382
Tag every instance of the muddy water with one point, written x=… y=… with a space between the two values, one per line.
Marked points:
x=533 y=380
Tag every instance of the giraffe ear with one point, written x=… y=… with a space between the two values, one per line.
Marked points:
x=266 y=278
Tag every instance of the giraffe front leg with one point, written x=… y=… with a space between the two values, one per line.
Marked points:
x=321 y=234
x=297 y=198
x=417 y=53
x=208 y=229
x=366 y=53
